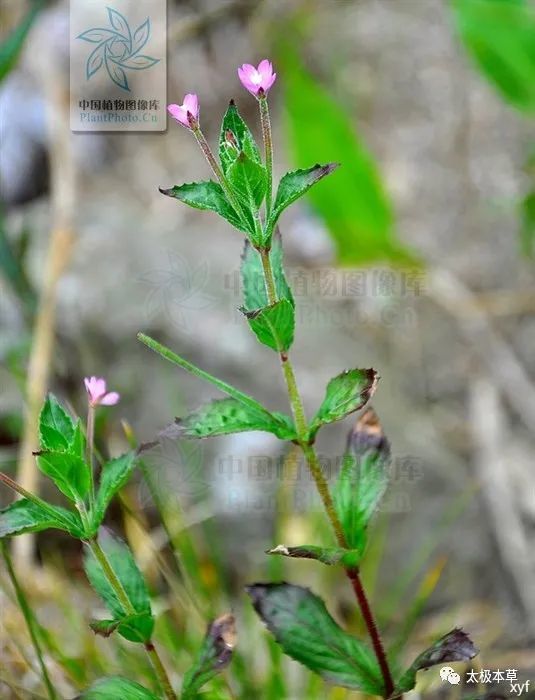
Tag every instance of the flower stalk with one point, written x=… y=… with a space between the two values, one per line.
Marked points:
x=268 y=149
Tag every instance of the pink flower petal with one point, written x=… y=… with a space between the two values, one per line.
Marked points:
x=265 y=68
x=110 y=399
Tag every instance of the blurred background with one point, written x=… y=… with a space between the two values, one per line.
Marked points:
x=415 y=257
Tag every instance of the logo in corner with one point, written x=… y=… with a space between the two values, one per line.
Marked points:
x=118 y=49
x=448 y=674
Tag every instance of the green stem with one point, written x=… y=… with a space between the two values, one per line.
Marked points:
x=268 y=150
x=322 y=487
x=90 y=437
x=129 y=609
x=29 y=617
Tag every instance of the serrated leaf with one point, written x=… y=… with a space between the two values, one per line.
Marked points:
x=69 y=472
x=301 y=624
x=454 y=646
x=56 y=427
x=214 y=655
x=235 y=137
x=123 y=564
x=274 y=325
x=114 y=476
x=248 y=179
x=208 y=196
x=500 y=37
x=116 y=688
x=226 y=416
x=294 y=185
x=345 y=393
x=362 y=480
x=28 y=516
x=325 y=555
x=252 y=274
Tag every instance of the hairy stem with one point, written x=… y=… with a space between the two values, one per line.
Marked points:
x=268 y=150
x=90 y=437
x=129 y=609
x=29 y=618
x=323 y=489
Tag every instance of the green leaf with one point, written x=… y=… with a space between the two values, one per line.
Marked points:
x=114 y=476
x=209 y=196
x=56 y=427
x=454 y=646
x=345 y=393
x=225 y=416
x=28 y=516
x=274 y=325
x=325 y=555
x=294 y=185
x=235 y=137
x=117 y=688
x=500 y=37
x=248 y=179
x=11 y=46
x=301 y=624
x=134 y=628
x=70 y=473
x=354 y=205
x=252 y=274
x=169 y=355
x=77 y=445
x=214 y=655
x=362 y=480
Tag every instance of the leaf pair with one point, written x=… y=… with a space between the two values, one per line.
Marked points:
x=136 y=626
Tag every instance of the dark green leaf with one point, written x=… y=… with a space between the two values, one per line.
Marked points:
x=116 y=688
x=214 y=655
x=326 y=555
x=345 y=393
x=362 y=480
x=77 y=446
x=295 y=184
x=122 y=562
x=354 y=204
x=500 y=36
x=454 y=646
x=70 y=473
x=56 y=427
x=235 y=137
x=303 y=627
x=274 y=325
x=248 y=179
x=208 y=196
x=27 y=516
x=114 y=476
x=252 y=274
x=225 y=416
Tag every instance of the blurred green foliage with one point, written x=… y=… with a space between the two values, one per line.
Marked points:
x=11 y=47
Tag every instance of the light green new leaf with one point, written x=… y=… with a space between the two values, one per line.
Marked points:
x=116 y=688
x=56 y=427
x=362 y=480
x=235 y=137
x=354 y=205
x=248 y=179
x=209 y=196
x=452 y=647
x=274 y=325
x=69 y=472
x=135 y=629
x=214 y=655
x=301 y=624
x=226 y=416
x=114 y=476
x=294 y=185
x=252 y=274
x=500 y=36
x=325 y=555
x=28 y=516
x=345 y=393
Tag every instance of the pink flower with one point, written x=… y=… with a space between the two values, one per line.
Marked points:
x=186 y=114
x=97 y=394
x=257 y=80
